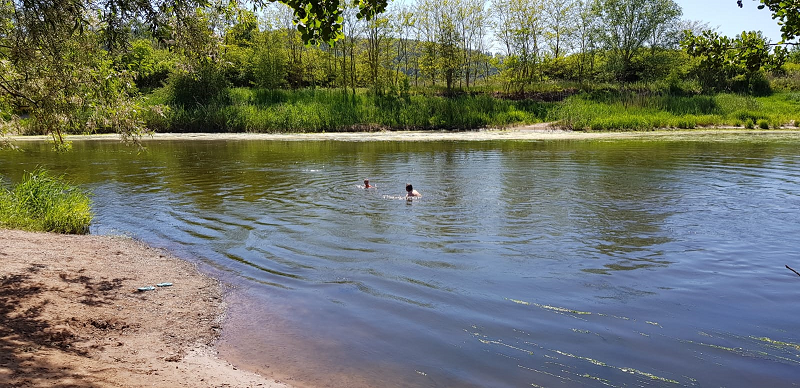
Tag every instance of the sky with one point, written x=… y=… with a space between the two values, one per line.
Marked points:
x=731 y=20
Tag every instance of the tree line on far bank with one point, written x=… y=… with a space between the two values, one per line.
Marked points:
x=217 y=65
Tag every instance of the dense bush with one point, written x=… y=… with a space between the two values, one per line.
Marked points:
x=205 y=86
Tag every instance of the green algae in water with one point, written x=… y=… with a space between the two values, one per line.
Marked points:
x=623 y=369
x=777 y=343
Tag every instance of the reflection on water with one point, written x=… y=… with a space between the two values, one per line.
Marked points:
x=627 y=263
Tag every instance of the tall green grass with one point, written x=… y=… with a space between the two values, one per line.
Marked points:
x=602 y=108
x=609 y=111
x=42 y=202
x=318 y=110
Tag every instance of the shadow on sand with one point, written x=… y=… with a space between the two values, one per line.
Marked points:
x=26 y=333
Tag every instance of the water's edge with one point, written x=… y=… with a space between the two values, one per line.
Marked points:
x=534 y=132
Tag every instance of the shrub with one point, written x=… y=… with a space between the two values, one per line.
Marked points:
x=790 y=80
x=204 y=87
x=749 y=116
x=42 y=202
x=687 y=123
x=763 y=124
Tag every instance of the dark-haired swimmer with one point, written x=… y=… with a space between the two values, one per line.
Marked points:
x=367 y=185
x=410 y=192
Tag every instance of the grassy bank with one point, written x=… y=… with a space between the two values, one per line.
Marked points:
x=318 y=110
x=41 y=202
x=606 y=111
x=332 y=110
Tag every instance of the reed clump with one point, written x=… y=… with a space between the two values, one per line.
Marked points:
x=42 y=202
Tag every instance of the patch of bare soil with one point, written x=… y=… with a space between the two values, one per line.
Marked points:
x=71 y=315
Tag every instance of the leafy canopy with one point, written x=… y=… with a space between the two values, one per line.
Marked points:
x=725 y=64
x=321 y=20
x=787 y=12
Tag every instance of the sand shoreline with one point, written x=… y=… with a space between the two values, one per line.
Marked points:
x=71 y=315
x=537 y=132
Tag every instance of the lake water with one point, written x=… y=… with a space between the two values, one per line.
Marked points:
x=551 y=263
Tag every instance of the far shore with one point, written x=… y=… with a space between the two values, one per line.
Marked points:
x=537 y=132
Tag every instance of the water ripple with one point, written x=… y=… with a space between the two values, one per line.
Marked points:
x=591 y=264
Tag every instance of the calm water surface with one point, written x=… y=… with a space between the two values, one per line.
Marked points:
x=589 y=264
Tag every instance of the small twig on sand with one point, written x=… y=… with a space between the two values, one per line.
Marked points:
x=790 y=268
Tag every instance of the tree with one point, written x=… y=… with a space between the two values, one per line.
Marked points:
x=520 y=26
x=787 y=12
x=351 y=26
x=628 y=24
x=65 y=62
x=402 y=26
x=321 y=20
x=238 y=45
x=149 y=63
x=561 y=24
x=736 y=64
x=58 y=58
x=269 y=59
x=585 y=37
x=450 y=58
x=471 y=20
x=58 y=73
x=436 y=26
x=377 y=33
x=427 y=32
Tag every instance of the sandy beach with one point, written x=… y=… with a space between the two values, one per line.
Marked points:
x=71 y=315
x=536 y=132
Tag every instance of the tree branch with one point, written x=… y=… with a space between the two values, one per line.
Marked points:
x=4 y=85
x=790 y=268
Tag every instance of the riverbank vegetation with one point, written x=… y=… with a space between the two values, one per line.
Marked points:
x=42 y=202
x=221 y=66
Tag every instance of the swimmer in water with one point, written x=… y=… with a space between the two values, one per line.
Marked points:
x=410 y=192
x=367 y=185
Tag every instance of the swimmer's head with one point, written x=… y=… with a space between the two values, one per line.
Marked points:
x=409 y=188
x=366 y=182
